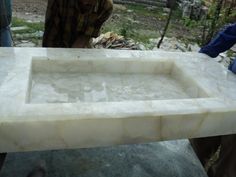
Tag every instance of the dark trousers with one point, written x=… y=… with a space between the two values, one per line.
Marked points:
x=225 y=166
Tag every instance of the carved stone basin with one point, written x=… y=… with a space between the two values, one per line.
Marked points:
x=109 y=81
x=67 y=98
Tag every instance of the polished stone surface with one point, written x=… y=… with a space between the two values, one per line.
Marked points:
x=99 y=87
x=165 y=159
x=43 y=106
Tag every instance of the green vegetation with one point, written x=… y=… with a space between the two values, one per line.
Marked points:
x=191 y=23
x=142 y=10
x=32 y=27
x=132 y=21
x=230 y=53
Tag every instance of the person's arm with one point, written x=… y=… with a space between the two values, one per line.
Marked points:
x=224 y=41
x=93 y=30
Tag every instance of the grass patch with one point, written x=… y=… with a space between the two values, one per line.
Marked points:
x=32 y=27
x=142 y=10
x=131 y=31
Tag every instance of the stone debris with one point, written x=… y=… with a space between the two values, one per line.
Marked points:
x=175 y=45
x=234 y=48
x=19 y=28
x=192 y=9
x=25 y=43
x=112 y=40
x=119 y=7
x=224 y=59
x=169 y=44
x=37 y=34
x=152 y=8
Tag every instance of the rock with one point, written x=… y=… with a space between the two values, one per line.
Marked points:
x=20 y=28
x=29 y=21
x=24 y=41
x=234 y=48
x=166 y=10
x=28 y=44
x=130 y=11
x=170 y=44
x=119 y=7
x=223 y=55
x=193 y=48
x=132 y=21
x=151 y=8
x=192 y=9
x=112 y=40
x=141 y=47
x=38 y=34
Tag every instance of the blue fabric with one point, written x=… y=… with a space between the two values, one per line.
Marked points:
x=232 y=66
x=5 y=37
x=5 y=13
x=5 y=7
x=223 y=41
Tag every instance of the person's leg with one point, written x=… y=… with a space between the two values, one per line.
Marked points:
x=5 y=37
x=225 y=166
x=205 y=147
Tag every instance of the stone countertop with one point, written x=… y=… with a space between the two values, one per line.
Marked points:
x=27 y=126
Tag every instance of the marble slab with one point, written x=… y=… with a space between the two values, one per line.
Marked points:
x=68 y=98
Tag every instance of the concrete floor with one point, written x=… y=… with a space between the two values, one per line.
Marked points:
x=165 y=159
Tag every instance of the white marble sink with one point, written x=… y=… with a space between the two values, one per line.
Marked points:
x=65 y=98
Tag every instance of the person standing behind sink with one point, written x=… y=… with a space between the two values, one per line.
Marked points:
x=72 y=23
x=5 y=39
x=225 y=166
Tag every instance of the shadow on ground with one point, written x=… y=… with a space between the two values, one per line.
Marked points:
x=165 y=159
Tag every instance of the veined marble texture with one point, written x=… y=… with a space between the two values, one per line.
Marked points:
x=79 y=98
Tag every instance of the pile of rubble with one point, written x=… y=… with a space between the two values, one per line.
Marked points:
x=175 y=45
x=112 y=40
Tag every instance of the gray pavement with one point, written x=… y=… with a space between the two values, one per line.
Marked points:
x=165 y=159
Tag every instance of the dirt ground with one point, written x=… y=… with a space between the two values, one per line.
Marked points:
x=31 y=6
x=30 y=10
x=138 y=23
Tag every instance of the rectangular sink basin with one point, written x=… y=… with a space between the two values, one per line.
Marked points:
x=73 y=98
x=83 y=83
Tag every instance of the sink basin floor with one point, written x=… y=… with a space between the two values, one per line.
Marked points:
x=103 y=87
